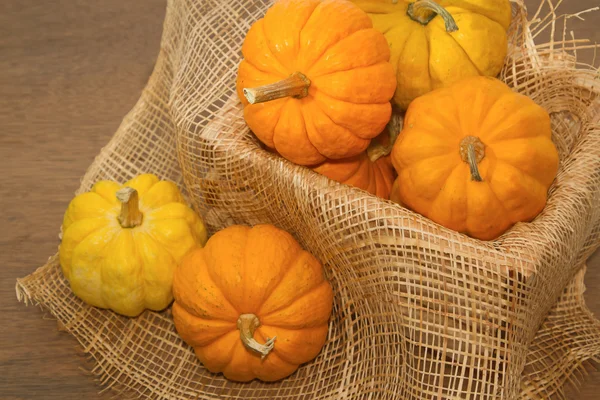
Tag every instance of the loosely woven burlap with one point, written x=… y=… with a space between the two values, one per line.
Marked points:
x=420 y=311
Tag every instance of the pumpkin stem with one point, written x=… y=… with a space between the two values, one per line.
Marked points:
x=295 y=86
x=380 y=148
x=247 y=324
x=472 y=151
x=130 y=216
x=423 y=11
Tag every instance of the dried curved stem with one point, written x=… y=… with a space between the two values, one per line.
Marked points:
x=472 y=151
x=423 y=11
x=247 y=324
x=296 y=85
x=376 y=149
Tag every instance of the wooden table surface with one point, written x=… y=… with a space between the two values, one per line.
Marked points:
x=69 y=72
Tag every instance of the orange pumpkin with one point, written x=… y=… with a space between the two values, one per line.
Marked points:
x=375 y=177
x=372 y=170
x=315 y=80
x=252 y=303
x=475 y=157
x=395 y=192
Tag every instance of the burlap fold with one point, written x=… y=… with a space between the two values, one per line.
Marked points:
x=420 y=311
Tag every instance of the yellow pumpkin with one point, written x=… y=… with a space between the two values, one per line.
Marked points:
x=475 y=157
x=436 y=43
x=121 y=243
x=252 y=303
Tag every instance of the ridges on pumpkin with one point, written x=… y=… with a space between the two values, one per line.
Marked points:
x=252 y=303
x=121 y=243
x=475 y=157
x=371 y=170
x=375 y=177
x=435 y=43
x=313 y=95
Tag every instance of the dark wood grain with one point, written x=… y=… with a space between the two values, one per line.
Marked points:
x=69 y=72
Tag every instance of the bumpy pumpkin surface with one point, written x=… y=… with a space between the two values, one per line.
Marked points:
x=121 y=243
x=252 y=303
x=375 y=177
x=436 y=43
x=475 y=157
x=319 y=78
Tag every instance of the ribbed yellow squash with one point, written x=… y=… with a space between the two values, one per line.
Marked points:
x=121 y=244
x=436 y=43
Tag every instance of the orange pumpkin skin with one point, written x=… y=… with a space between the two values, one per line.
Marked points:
x=512 y=150
x=333 y=43
x=375 y=177
x=395 y=192
x=260 y=271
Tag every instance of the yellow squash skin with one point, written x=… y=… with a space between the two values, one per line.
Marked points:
x=260 y=272
x=512 y=151
x=333 y=44
x=131 y=269
x=426 y=57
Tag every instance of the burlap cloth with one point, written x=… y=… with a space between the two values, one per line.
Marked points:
x=420 y=311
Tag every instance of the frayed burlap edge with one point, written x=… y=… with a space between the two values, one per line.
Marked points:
x=565 y=349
